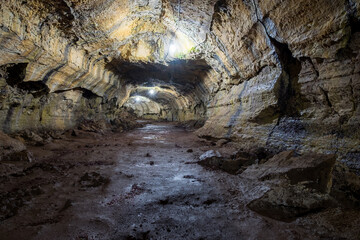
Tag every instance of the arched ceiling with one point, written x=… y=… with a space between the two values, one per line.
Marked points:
x=244 y=63
x=114 y=47
x=110 y=46
x=174 y=82
x=137 y=43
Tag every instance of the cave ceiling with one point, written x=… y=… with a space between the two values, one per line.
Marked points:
x=143 y=43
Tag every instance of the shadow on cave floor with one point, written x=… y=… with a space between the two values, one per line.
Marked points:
x=141 y=184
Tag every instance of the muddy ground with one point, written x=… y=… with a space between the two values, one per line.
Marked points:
x=142 y=184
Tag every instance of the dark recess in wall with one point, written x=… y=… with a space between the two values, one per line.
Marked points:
x=290 y=99
x=14 y=74
x=85 y=92
x=37 y=89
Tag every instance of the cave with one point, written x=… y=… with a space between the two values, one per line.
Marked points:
x=179 y=119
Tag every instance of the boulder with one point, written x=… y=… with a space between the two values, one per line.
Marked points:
x=35 y=138
x=287 y=202
x=12 y=149
x=236 y=163
x=346 y=186
x=312 y=170
x=209 y=155
x=298 y=185
x=214 y=160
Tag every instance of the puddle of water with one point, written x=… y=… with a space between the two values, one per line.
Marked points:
x=150 y=137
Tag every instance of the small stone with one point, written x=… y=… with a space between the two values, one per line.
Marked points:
x=189 y=150
x=210 y=154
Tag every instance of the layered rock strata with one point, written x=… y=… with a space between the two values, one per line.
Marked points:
x=279 y=74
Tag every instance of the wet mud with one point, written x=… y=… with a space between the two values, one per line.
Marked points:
x=143 y=184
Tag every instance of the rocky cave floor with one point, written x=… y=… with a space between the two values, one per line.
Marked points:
x=145 y=184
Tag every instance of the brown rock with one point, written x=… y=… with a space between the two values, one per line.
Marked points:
x=287 y=202
x=346 y=186
x=312 y=170
x=13 y=150
x=298 y=185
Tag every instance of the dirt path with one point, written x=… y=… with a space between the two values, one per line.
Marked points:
x=142 y=184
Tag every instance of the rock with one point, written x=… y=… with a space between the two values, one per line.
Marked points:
x=210 y=154
x=312 y=170
x=345 y=186
x=287 y=202
x=13 y=150
x=214 y=160
x=298 y=185
x=189 y=150
x=238 y=161
x=33 y=138
x=23 y=156
x=92 y=126
x=247 y=158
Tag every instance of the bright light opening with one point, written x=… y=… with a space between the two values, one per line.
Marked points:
x=137 y=99
x=172 y=48
x=151 y=91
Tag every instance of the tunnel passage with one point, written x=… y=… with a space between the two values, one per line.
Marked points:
x=179 y=119
x=173 y=92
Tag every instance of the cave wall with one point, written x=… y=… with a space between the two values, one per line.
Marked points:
x=61 y=84
x=29 y=105
x=290 y=75
x=281 y=74
x=70 y=45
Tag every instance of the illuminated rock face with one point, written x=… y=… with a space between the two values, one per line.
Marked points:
x=282 y=74
x=290 y=75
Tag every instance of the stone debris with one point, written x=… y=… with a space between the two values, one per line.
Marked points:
x=300 y=185
x=13 y=150
x=210 y=155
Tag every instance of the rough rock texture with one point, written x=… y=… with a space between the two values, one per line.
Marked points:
x=279 y=74
x=314 y=171
x=346 y=186
x=299 y=185
x=290 y=77
x=286 y=203
x=13 y=150
x=237 y=162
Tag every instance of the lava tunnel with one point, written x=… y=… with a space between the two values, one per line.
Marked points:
x=179 y=119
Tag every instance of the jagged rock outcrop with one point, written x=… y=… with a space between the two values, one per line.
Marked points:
x=13 y=150
x=290 y=77
x=279 y=74
x=298 y=185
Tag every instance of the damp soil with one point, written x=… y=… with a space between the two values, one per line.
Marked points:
x=141 y=184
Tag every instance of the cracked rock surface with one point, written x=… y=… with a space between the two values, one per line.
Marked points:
x=283 y=74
